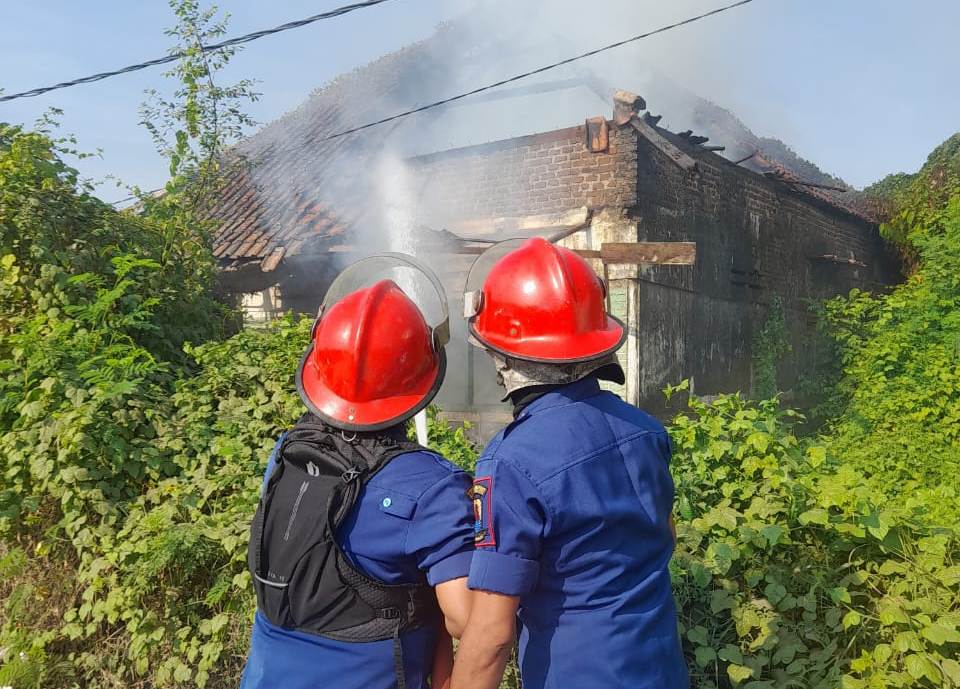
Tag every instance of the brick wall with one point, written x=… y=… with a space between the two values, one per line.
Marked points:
x=756 y=240
x=531 y=175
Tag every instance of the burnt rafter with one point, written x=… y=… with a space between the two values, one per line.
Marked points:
x=780 y=177
x=663 y=145
x=626 y=109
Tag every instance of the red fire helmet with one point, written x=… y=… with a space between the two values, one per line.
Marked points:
x=540 y=302
x=374 y=361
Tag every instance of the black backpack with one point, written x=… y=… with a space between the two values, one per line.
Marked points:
x=302 y=577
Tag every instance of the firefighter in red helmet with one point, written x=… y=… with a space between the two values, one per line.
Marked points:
x=573 y=533
x=362 y=540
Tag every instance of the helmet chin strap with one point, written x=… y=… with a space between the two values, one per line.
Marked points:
x=516 y=374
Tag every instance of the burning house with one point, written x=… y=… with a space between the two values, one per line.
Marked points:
x=305 y=201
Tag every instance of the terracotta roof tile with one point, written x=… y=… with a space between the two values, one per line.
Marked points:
x=289 y=185
x=291 y=190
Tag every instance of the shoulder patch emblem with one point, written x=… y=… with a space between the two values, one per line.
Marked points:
x=481 y=493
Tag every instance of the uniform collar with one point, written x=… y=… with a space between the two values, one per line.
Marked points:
x=564 y=394
x=524 y=397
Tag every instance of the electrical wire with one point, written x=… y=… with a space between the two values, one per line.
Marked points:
x=230 y=42
x=524 y=75
x=534 y=72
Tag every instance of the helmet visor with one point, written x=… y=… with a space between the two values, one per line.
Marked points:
x=417 y=281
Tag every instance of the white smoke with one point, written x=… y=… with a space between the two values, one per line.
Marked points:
x=364 y=178
x=489 y=40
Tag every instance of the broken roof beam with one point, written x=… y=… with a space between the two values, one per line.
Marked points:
x=780 y=177
x=626 y=109
x=659 y=142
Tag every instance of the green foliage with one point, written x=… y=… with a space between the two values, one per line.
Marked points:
x=919 y=201
x=897 y=403
x=792 y=571
x=174 y=578
x=450 y=442
x=95 y=309
x=193 y=126
x=770 y=343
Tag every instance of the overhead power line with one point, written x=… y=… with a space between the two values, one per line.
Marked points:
x=524 y=75
x=247 y=38
x=540 y=70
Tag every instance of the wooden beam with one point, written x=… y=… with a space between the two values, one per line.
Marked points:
x=664 y=146
x=527 y=225
x=635 y=253
x=615 y=253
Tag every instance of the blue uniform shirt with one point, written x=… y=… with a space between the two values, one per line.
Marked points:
x=572 y=503
x=411 y=517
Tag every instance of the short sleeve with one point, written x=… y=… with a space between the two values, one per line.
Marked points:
x=440 y=536
x=666 y=447
x=509 y=521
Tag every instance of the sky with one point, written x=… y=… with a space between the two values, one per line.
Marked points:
x=863 y=88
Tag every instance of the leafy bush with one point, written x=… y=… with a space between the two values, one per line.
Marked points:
x=897 y=401
x=131 y=461
x=769 y=345
x=791 y=571
x=174 y=580
x=917 y=202
x=95 y=309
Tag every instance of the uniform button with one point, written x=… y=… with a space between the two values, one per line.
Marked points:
x=387 y=502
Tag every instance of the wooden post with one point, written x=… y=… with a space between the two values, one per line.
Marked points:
x=625 y=258
x=634 y=370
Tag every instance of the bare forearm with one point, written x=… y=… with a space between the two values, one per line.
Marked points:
x=479 y=663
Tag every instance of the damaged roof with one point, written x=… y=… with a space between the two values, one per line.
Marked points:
x=832 y=196
x=293 y=190
x=289 y=188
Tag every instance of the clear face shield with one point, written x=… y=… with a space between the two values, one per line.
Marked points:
x=418 y=282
